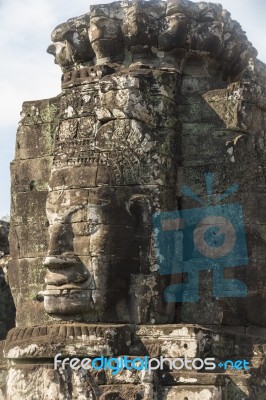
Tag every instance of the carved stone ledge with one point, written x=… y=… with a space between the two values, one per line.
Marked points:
x=75 y=339
x=85 y=75
x=112 y=340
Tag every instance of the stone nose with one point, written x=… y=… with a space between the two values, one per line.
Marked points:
x=61 y=240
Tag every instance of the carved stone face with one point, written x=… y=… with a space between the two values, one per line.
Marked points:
x=93 y=248
x=109 y=175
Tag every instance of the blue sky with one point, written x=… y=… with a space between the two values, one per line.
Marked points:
x=27 y=72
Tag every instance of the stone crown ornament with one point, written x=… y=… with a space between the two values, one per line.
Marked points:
x=159 y=34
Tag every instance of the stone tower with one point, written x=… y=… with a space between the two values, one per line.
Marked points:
x=137 y=225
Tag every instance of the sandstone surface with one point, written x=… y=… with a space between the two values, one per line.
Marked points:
x=155 y=96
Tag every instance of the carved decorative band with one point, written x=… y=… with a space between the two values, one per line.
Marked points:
x=73 y=331
x=85 y=75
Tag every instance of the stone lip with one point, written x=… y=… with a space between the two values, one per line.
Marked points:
x=153 y=33
x=110 y=340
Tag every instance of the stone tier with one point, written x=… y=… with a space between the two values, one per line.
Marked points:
x=30 y=352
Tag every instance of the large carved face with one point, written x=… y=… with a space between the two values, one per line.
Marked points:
x=94 y=244
x=108 y=177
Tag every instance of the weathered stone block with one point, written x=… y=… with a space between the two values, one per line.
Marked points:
x=192 y=392
x=29 y=208
x=105 y=35
x=32 y=174
x=25 y=299
x=26 y=271
x=137 y=18
x=234 y=110
x=245 y=311
x=123 y=392
x=39 y=112
x=194 y=109
x=34 y=141
x=192 y=84
x=205 y=148
x=225 y=174
x=73 y=106
x=208 y=36
x=26 y=278
x=255 y=235
x=253 y=275
x=28 y=240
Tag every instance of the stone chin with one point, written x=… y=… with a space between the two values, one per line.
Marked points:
x=69 y=301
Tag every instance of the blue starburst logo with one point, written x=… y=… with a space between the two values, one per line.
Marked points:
x=211 y=237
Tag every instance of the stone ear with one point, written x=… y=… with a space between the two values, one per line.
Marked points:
x=140 y=208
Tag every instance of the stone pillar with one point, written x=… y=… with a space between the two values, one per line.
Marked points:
x=155 y=96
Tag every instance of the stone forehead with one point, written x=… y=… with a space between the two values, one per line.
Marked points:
x=118 y=31
x=124 y=127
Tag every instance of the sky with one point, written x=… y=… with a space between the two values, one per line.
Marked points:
x=27 y=72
